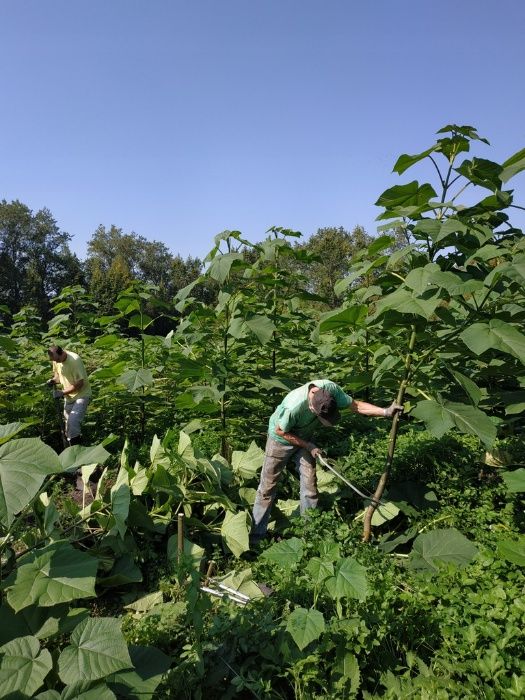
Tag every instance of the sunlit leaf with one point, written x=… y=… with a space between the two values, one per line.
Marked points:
x=96 y=650
x=448 y=545
x=55 y=574
x=23 y=667
x=305 y=626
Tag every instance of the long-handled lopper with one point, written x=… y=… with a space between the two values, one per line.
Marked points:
x=325 y=464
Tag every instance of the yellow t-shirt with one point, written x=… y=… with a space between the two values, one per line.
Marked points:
x=70 y=372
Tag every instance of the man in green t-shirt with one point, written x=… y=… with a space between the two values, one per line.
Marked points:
x=70 y=373
x=289 y=437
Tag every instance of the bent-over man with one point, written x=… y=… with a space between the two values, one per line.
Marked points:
x=290 y=429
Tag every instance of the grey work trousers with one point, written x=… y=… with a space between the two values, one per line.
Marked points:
x=74 y=413
x=276 y=457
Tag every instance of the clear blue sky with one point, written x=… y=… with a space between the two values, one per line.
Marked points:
x=179 y=119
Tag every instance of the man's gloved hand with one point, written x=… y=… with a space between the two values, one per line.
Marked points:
x=314 y=450
x=393 y=408
x=50 y=382
x=58 y=394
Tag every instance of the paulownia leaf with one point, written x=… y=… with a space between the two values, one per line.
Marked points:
x=39 y=622
x=221 y=265
x=97 y=649
x=495 y=334
x=24 y=464
x=515 y=480
x=150 y=664
x=286 y=553
x=120 y=500
x=305 y=626
x=77 y=456
x=343 y=318
x=85 y=690
x=247 y=464
x=447 y=545
x=319 y=570
x=405 y=302
x=440 y=417
x=55 y=574
x=234 y=531
x=513 y=550
x=135 y=379
x=349 y=580
x=9 y=430
x=23 y=666
x=513 y=165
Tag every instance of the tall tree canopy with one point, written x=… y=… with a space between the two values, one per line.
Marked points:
x=334 y=248
x=116 y=258
x=35 y=259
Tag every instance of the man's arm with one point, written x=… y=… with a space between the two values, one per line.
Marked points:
x=73 y=388
x=369 y=409
x=297 y=441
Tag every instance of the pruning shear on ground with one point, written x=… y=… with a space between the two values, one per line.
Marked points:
x=220 y=590
x=325 y=463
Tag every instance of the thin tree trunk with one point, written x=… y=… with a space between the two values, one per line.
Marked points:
x=367 y=527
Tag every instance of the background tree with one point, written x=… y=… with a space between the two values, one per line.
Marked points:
x=35 y=259
x=334 y=248
x=116 y=259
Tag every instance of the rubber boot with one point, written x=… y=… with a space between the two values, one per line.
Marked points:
x=75 y=440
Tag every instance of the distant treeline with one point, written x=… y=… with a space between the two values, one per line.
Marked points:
x=36 y=262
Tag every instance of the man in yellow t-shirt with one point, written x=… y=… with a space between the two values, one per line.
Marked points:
x=69 y=371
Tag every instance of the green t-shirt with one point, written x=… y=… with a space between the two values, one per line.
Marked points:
x=70 y=372
x=293 y=415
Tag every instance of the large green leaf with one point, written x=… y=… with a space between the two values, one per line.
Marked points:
x=286 y=553
x=406 y=200
x=471 y=389
x=405 y=161
x=343 y=318
x=442 y=416
x=86 y=690
x=349 y=580
x=305 y=626
x=150 y=664
x=56 y=574
x=97 y=649
x=120 y=500
x=261 y=326
x=319 y=570
x=39 y=622
x=234 y=531
x=135 y=379
x=24 y=464
x=447 y=545
x=9 y=430
x=513 y=165
x=419 y=279
x=23 y=666
x=482 y=172
x=221 y=265
x=495 y=334
x=77 y=456
x=513 y=550
x=515 y=480
x=405 y=302
x=247 y=463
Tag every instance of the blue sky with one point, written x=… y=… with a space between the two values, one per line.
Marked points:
x=178 y=120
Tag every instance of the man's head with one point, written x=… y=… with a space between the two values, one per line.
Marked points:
x=323 y=404
x=56 y=353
